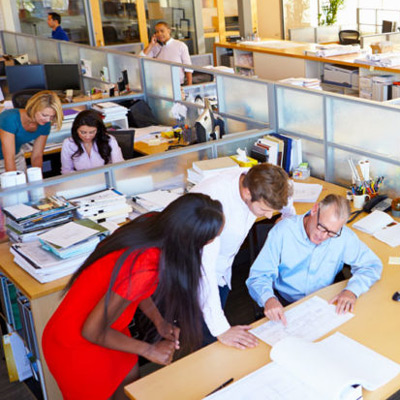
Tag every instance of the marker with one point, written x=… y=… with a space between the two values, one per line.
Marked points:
x=221 y=386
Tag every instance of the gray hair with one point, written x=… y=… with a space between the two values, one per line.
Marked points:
x=341 y=205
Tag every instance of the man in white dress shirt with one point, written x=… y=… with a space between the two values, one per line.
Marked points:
x=245 y=196
x=163 y=47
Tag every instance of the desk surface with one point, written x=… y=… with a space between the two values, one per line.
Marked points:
x=376 y=325
x=299 y=52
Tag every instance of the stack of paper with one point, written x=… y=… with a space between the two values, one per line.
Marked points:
x=382 y=226
x=205 y=168
x=43 y=265
x=74 y=238
x=329 y=50
x=157 y=200
x=111 y=109
x=25 y=221
x=311 y=83
x=104 y=206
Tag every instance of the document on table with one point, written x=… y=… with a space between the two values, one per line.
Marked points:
x=309 y=320
x=306 y=192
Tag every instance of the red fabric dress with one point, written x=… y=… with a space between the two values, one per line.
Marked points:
x=84 y=370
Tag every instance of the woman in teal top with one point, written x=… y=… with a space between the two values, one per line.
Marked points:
x=33 y=123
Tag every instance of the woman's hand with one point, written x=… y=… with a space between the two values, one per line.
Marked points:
x=161 y=352
x=169 y=332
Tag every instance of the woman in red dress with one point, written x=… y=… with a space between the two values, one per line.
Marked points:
x=87 y=344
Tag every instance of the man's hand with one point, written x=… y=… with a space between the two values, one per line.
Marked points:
x=239 y=337
x=273 y=310
x=345 y=301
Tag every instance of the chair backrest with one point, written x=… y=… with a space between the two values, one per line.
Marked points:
x=125 y=139
x=349 y=37
x=110 y=34
x=20 y=98
x=387 y=26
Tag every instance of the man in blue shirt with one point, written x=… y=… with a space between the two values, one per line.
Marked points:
x=304 y=253
x=54 y=21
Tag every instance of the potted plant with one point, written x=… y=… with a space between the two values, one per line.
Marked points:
x=329 y=9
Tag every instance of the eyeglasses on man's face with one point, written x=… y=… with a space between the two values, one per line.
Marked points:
x=325 y=230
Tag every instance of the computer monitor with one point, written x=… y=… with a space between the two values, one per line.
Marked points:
x=62 y=76
x=21 y=77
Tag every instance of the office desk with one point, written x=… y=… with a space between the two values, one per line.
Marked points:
x=145 y=149
x=290 y=60
x=376 y=325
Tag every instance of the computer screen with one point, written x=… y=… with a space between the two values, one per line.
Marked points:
x=62 y=76
x=21 y=77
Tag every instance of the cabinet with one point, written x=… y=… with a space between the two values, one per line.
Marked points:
x=36 y=303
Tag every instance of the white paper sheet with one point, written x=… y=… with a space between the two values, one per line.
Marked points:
x=21 y=211
x=68 y=234
x=306 y=192
x=309 y=320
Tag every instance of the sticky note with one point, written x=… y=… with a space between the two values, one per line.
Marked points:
x=394 y=260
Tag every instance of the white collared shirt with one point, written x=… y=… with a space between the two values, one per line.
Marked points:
x=173 y=50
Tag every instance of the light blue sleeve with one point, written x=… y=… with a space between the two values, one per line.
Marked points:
x=264 y=270
x=366 y=267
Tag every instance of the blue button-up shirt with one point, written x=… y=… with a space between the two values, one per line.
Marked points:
x=59 y=34
x=290 y=263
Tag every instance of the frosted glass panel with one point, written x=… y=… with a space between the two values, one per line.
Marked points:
x=169 y=172
x=26 y=45
x=300 y=111
x=118 y=63
x=98 y=60
x=342 y=174
x=79 y=186
x=366 y=127
x=69 y=53
x=313 y=153
x=233 y=126
x=47 y=51
x=228 y=149
x=245 y=98
x=158 y=78
x=10 y=42
x=161 y=110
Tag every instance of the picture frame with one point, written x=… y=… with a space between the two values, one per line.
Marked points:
x=177 y=15
x=185 y=27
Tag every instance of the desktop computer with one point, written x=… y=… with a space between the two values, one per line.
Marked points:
x=61 y=77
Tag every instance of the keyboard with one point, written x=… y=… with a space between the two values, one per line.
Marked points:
x=394 y=396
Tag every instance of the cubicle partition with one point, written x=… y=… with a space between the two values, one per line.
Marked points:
x=332 y=127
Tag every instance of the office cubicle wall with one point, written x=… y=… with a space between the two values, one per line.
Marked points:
x=332 y=127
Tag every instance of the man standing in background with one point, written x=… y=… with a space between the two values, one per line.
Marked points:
x=54 y=22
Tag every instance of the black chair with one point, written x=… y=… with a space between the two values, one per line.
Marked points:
x=349 y=37
x=387 y=26
x=20 y=98
x=125 y=139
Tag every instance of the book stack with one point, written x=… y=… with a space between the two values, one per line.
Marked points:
x=156 y=200
x=24 y=222
x=111 y=110
x=278 y=149
x=206 y=168
x=105 y=206
x=73 y=238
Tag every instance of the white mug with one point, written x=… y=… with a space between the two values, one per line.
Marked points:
x=359 y=200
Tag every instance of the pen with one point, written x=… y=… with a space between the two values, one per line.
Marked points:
x=221 y=386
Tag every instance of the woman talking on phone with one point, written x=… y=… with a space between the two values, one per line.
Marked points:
x=87 y=344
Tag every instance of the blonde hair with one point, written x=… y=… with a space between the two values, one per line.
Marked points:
x=42 y=100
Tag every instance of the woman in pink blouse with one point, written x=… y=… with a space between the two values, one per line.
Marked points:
x=89 y=145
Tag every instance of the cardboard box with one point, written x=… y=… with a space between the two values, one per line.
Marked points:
x=382 y=47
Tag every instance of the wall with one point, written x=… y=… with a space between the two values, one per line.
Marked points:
x=269 y=18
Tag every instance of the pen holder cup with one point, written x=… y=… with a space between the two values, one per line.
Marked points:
x=359 y=200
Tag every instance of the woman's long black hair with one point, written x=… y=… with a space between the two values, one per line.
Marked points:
x=92 y=118
x=180 y=232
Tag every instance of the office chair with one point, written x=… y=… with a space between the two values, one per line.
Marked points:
x=387 y=26
x=125 y=139
x=349 y=37
x=20 y=98
x=110 y=35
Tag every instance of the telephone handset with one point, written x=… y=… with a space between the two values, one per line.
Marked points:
x=379 y=202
